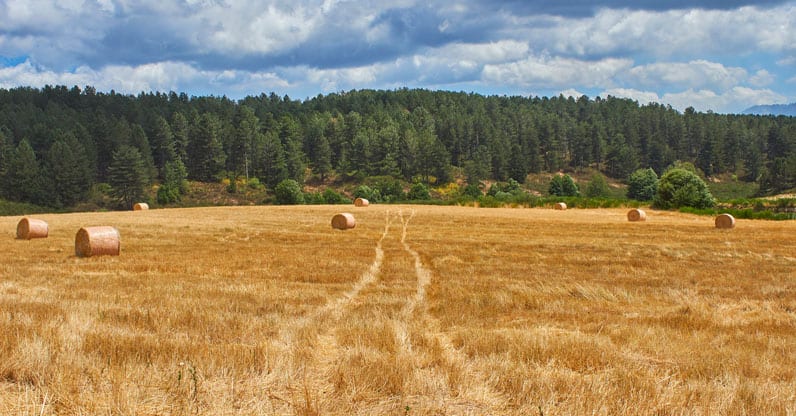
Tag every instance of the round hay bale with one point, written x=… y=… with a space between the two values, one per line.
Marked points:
x=97 y=241
x=725 y=221
x=141 y=206
x=636 y=215
x=361 y=202
x=560 y=206
x=343 y=221
x=28 y=228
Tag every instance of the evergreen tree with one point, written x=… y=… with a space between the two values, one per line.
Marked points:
x=246 y=135
x=179 y=130
x=205 y=152
x=323 y=158
x=174 y=182
x=69 y=170
x=127 y=176
x=273 y=167
x=163 y=147
x=290 y=135
x=23 y=177
x=139 y=140
x=479 y=167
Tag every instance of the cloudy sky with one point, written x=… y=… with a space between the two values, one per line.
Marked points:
x=720 y=55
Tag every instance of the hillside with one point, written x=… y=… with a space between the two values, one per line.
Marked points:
x=773 y=109
x=59 y=145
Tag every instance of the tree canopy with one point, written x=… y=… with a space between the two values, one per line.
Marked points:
x=414 y=135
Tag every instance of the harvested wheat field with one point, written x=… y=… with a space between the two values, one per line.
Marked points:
x=416 y=311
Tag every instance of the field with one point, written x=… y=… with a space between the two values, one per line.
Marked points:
x=416 y=311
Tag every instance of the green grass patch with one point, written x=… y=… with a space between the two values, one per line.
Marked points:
x=729 y=190
x=8 y=208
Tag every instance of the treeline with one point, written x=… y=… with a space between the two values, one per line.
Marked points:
x=56 y=143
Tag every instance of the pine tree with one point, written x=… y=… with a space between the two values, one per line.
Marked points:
x=127 y=176
x=69 y=170
x=273 y=167
x=205 y=153
x=163 y=145
x=23 y=177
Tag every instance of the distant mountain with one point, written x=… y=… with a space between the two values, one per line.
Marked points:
x=773 y=109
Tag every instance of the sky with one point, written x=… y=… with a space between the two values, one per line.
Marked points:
x=713 y=55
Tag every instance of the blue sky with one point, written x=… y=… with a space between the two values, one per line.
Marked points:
x=714 y=55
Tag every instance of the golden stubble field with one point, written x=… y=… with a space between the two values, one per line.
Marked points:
x=418 y=310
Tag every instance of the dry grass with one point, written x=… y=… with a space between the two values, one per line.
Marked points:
x=418 y=310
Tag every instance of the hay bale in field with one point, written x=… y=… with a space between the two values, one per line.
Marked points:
x=343 y=221
x=560 y=206
x=28 y=228
x=361 y=202
x=97 y=241
x=636 y=215
x=141 y=206
x=725 y=221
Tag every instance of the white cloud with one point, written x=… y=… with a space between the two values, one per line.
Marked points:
x=761 y=78
x=571 y=92
x=484 y=53
x=643 y=97
x=163 y=76
x=694 y=74
x=672 y=33
x=547 y=71
x=331 y=80
x=242 y=28
x=734 y=100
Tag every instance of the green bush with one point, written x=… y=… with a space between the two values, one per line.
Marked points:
x=418 y=191
x=390 y=189
x=330 y=196
x=682 y=188
x=563 y=185
x=288 y=192
x=364 y=191
x=510 y=187
x=642 y=185
x=254 y=183
x=598 y=187
x=313 y=198
x=472 y=191
x=168 y=194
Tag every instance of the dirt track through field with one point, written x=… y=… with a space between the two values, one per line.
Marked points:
x=308 y=364
x=334 y=347
x=471 y=394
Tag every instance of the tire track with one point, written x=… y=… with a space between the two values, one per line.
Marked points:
x=472 y=390
x=310 y=347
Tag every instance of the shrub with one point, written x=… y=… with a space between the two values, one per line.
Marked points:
x=472 y=191
x=682 y=188
x=598 y=187
x=330 y=196
x=563 y=185
x=254 y=183
x=168 y=194
x=510 y=187
x=288 y=192
x=642 y=185
x=418 y=191
x=364 y=191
